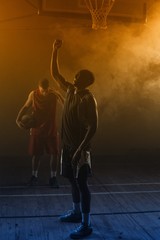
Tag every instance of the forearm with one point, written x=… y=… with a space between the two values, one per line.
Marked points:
x=54 y=67
x=87 y=138
x=21 y=113
x=84 y=144
x=54 y=64
x=19 y=116
x=55 y=73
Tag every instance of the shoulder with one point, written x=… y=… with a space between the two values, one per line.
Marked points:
x=89 y=103
x=87 y=96
x=31 y=94
x=30 y=98
x=70 y=90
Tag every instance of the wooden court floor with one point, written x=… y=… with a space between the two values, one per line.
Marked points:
x=125 y=205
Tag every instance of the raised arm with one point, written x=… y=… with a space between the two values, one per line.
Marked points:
x=55 y=67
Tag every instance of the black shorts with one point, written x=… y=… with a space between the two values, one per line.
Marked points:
x=66 y=167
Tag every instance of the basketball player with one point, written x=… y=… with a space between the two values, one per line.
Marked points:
x=44 y=135
x=79 y=124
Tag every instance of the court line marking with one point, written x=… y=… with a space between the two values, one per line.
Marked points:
x=92 y=214
x=90 y=185
x=68 y=194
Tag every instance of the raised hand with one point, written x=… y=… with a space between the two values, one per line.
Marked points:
x=20 y=124
x=57 y=43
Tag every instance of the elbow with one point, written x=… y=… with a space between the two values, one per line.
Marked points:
x=53 y=73
x=92 y=130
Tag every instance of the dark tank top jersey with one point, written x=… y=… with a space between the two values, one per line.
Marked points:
x=75 y=116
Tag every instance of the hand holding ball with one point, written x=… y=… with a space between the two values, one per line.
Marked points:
x=28 y=121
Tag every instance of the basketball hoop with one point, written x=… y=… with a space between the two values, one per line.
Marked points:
x=99 y=10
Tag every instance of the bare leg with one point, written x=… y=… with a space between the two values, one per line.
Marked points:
x=54 y=163
x=35 y=165
x=53 y=167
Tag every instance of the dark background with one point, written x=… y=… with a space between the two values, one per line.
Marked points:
x=124 y=58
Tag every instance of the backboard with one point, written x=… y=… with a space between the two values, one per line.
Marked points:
x=127 y=10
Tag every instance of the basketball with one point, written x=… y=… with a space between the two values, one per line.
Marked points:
x=28 y=121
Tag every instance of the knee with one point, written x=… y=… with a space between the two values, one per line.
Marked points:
x=82 y=183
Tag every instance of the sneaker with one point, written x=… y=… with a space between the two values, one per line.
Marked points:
x=71 y=216
x=53 y=182
x=33 y=181
x=81 y=232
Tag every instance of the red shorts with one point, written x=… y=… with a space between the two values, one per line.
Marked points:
x=40 y=144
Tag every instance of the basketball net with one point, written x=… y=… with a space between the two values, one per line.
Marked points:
x=99 y=10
